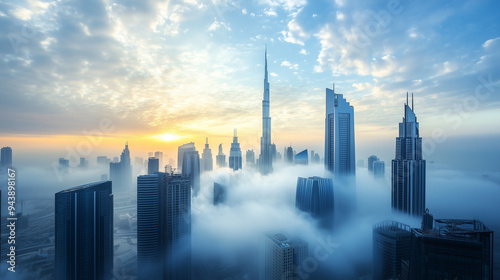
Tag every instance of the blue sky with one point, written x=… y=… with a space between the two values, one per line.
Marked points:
x=195 y=68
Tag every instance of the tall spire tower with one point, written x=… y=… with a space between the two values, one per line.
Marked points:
x=265 y=159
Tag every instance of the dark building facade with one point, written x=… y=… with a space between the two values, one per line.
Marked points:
x=391 y=245
x=452 y=249
x=220 y=193
x=191 y=169
x=84 y=232
x=164 y=227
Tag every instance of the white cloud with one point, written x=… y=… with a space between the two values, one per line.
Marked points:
x=270 y=12
x=218 y=24
x=286 y=63
x=295 y=33
x=340 y=15
x=492 y=44
x=273 y=74
x=340 y=3
x=244 y=11
x=303 y=51
x=314 y=15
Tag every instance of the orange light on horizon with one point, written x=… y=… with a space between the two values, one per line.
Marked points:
x=167 y=137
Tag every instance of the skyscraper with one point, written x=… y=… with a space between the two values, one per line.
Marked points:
x=408 y=167
x=265 y=158
x=235 y=159
x=120 y=173
x=84 y=232
x=289 y=155
x=283 y=257
x=314 y=195
x=302 y=158
x=191 y=169
x=63 y=165
x=153 y=165
x=371 y=159
x=452 y=249
x=6 y=157
x=180 y=154
x=339 y=135
x=126 y=167
x=391 y=245
x=207 y=162
x=159 y=156
x=163 y=227
x=219 y=193
x=220 y=158
x=379 y=169
x=250 y=158
x=151 y=226
x=178 y=221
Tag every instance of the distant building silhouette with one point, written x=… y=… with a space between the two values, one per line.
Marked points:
x=159 y=156
x=314 y=195
x=371 y=160
x=189 y=147
x=283 y=257
x=452 y=249
x=84 y=163
x=153 y=165
x=339 y=135
x=266 y=157
x=235 y=159
x=63 y=165
x=191 y=169
x=103 y=160
x=6 y=157
x=120 y=173
x=207 y=161
x=250 y=157
x=391 y=245
x=408 y=167
x=221 y=158
x=220 y=193
x=288 y=155
x=84 y=232
x=163 y=226
x=379 y=169
x=302 y=158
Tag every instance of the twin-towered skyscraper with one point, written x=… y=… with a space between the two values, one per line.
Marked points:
x=408 y=167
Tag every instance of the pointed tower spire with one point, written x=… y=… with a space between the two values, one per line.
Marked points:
x=265 y=59
x=406 y=98
x=235 y=132
x=412 y=101
x=206 y=142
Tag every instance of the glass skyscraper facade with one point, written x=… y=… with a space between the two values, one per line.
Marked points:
x=314 y=195
x=408 y=167
x=339 y=135
x=302 y=158
x=6 y=157
x=191 y=169
x=164 y=226
x=84 y=232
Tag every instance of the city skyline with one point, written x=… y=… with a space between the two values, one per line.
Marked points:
x=300 y=38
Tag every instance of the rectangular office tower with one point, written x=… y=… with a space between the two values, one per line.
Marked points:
x=452 y=249
x=408 y=167
x=339 y=135
x=391 y=245
x=151 y=226
x=84 y=232
x=282 y=257
x=163 y=227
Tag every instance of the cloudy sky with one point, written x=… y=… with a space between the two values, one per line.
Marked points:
x=163 y=73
